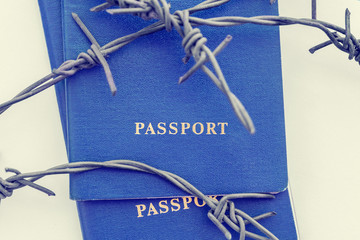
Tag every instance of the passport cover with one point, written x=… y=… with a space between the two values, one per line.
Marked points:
x=177 y=218
x=51 y=16
x=161 y=218
x=102 y=127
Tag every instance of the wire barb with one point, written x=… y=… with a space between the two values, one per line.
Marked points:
x=220 y=212
x=348 y=43
x=313 y=9
x=193 y=44
x=96 y=54
x=194 y=47
x=9 y=185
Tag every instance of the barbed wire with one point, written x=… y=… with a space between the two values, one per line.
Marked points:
x=313 y=9
x=222 y=211
x=193 y=43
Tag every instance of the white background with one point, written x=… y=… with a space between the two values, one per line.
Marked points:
x=322 y=98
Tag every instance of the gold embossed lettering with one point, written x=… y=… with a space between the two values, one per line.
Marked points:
x=138 y=126
x=213 y=197
x=163 y=206
x=184 y=126
x=152 y=210
x=210 y=128
x=150 y=129
x=186 y=201
x=222 y=125
x=196 y=201
x=175 y=203
x=140 y=208
x=201 y=128
x=161 y=128
x=173 y=126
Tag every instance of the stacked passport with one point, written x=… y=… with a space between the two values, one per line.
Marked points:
x=189 y=129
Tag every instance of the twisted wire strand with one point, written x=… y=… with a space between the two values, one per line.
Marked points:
x=180 y=21
x=86 y=60
x=222 y=211
x=111 y=3
x=313 y=9
x=349 y=44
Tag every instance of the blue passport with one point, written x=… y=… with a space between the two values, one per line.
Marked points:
x=176 y=218
x=51 y=16
x=152 y=118
x=183 y=217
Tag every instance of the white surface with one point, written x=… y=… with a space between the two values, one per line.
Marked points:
x=322 y=98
